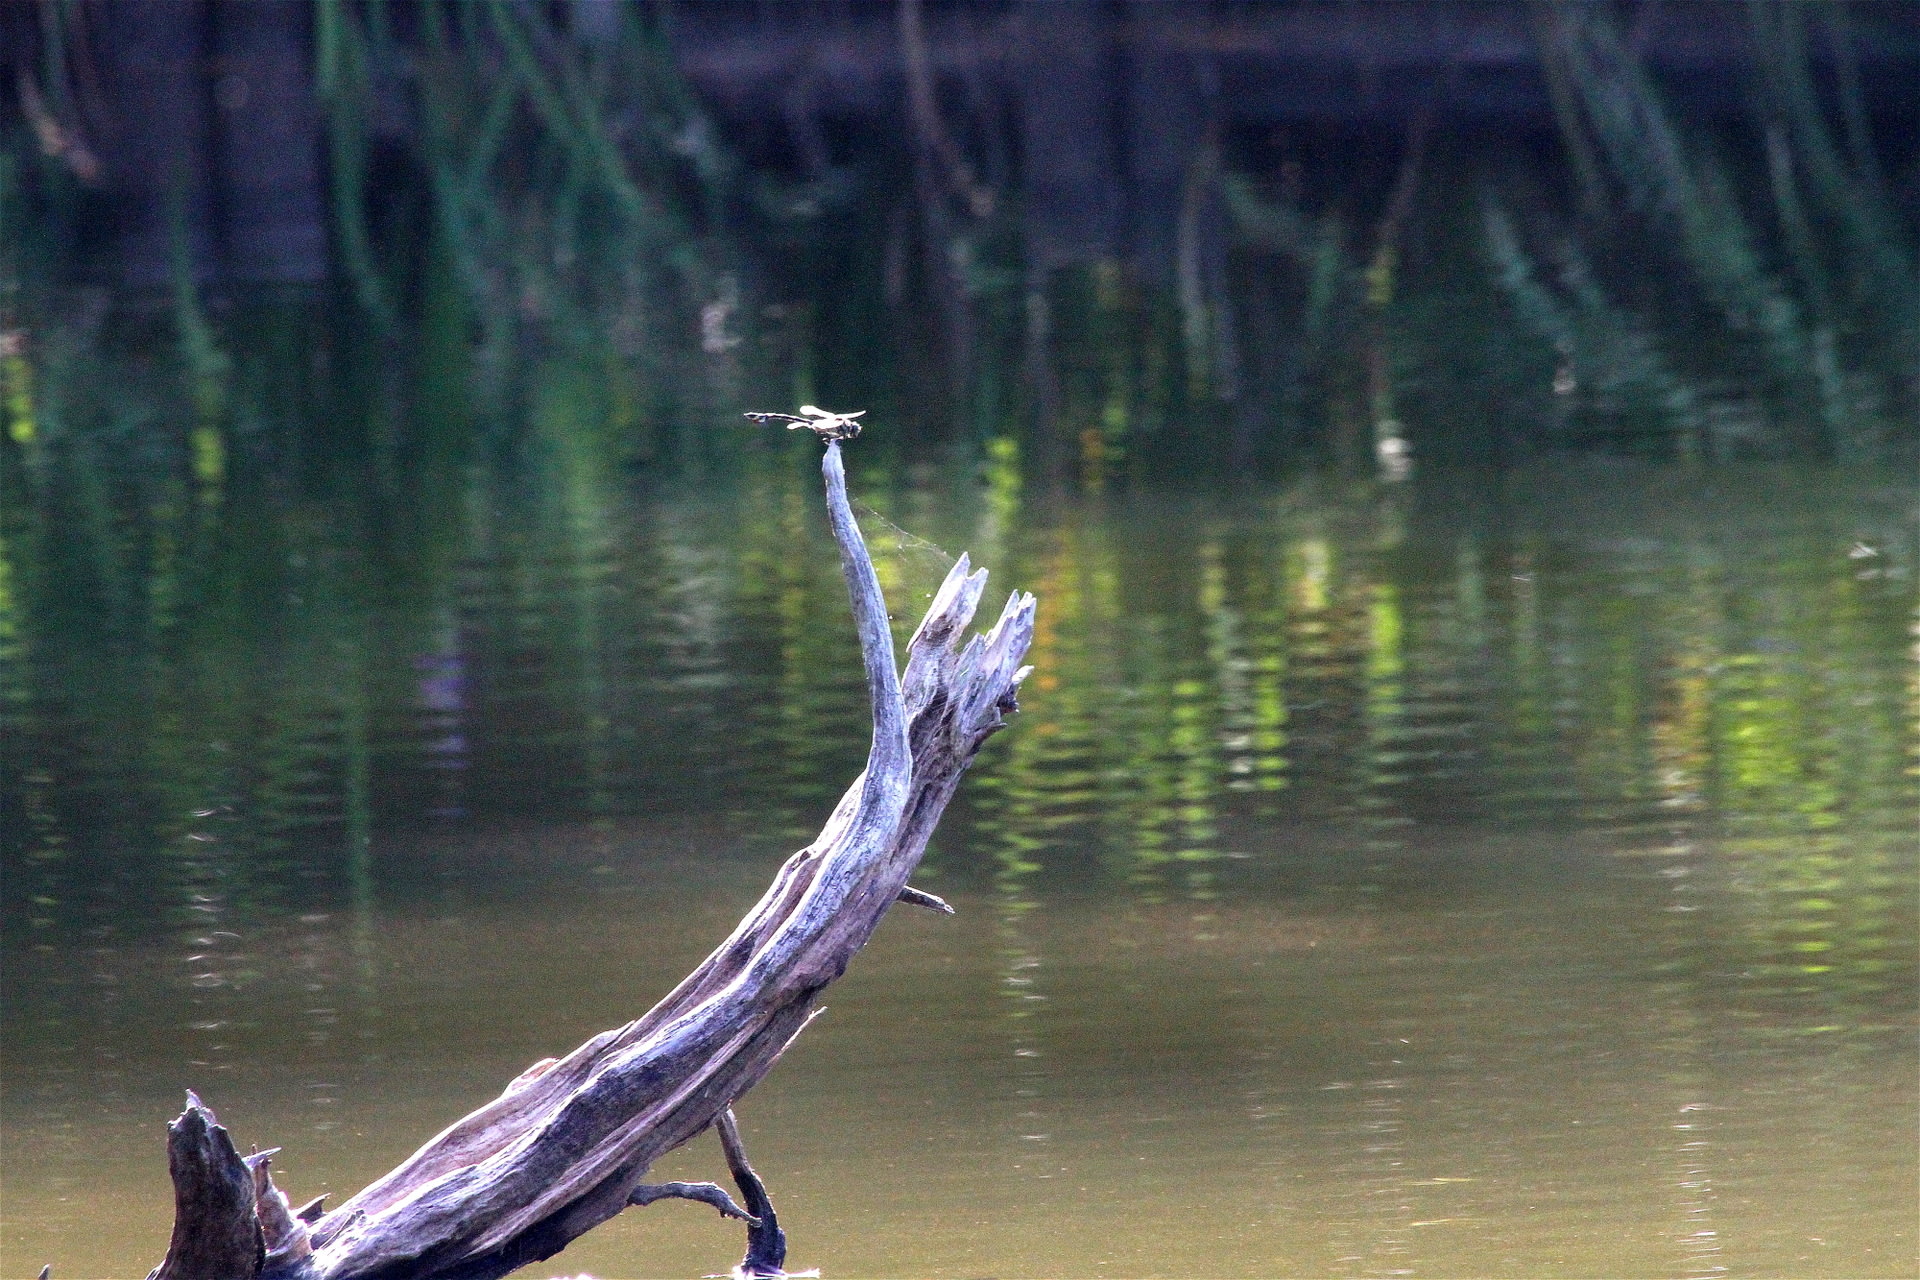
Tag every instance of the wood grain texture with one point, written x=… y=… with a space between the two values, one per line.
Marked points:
x=568 y=1143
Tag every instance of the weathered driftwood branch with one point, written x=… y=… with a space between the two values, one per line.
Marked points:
x=566 y=1146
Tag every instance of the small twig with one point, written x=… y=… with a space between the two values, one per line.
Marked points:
x=705 y=1192
x=921 y=898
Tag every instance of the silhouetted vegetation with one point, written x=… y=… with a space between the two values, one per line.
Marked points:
x=1614 y=255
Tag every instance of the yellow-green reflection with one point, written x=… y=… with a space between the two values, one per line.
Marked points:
x=1639 y=744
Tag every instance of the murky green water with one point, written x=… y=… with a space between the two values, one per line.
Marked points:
x=1486 y=876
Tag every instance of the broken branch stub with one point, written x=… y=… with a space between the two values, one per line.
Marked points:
x=216 y=1228
x=568 y=1143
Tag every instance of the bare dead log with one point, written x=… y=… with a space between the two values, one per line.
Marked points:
x=568 y=1143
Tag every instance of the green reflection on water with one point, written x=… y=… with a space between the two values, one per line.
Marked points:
x=547 y=635
x=1551 y=752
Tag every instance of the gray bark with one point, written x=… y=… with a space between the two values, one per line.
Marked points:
x=568 y=1143
x=216 y=1229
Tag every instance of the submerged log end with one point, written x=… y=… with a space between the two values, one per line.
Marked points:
x=766 y=1243
x=921 y=898
x=216 y=1231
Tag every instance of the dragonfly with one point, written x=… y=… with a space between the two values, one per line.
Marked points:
x=828 y=426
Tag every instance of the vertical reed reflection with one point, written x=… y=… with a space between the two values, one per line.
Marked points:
x=1401 y=714
x=1196 y=681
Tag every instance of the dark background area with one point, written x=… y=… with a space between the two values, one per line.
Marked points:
x=1208 y=235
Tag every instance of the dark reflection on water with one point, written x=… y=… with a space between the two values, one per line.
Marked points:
x=1492 y=876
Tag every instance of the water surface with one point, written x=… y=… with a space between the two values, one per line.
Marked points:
x=1495 y=875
